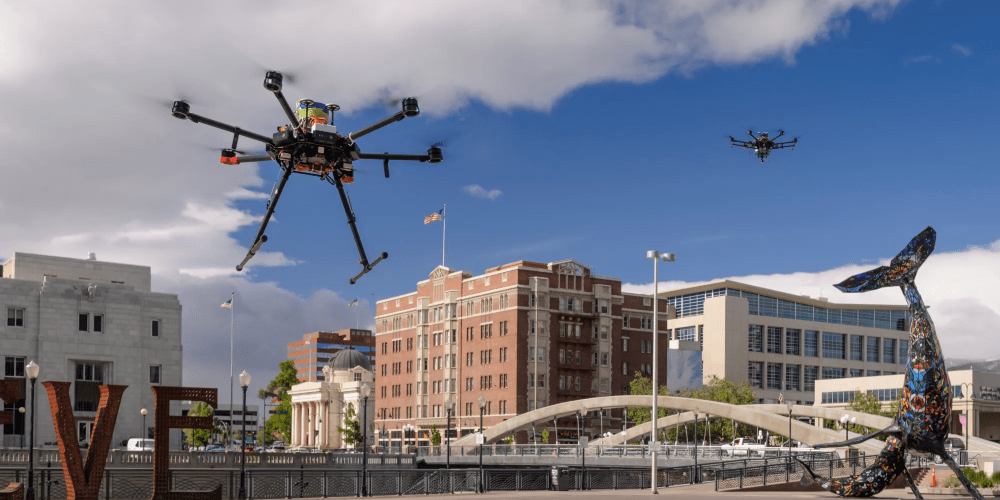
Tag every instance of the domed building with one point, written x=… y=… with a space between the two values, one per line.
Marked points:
x=318 y=408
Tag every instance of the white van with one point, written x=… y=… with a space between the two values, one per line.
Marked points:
x=139 y=444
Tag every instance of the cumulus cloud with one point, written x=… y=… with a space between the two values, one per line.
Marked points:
x=959 y=286
x=120 y=177
x=478 y=191
x=961 y=49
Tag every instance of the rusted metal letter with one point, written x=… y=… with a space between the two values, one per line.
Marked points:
x=163 y=422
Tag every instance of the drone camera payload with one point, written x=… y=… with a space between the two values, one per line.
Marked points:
x=309 y=144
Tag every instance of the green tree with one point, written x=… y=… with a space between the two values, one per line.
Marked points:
x=435 y=436
x=351 y=431
x=280 y=423
x=199 y=437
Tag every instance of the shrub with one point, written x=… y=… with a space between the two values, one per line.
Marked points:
x=996 y=477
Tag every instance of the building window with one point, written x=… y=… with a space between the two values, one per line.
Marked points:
x=833 y=373
x=811 y=345
x=872 y=373
x=774 y=376
x=357 y=377
x=872 y=356
x=889 y=351
x=98 y=323
x=833 y=345
x=856 y=348
x=15 y=316
x=155 y=328
x=774 y=339
x=791 y=377
x=755 y=340
x=754 y=373
x=625 y=368
x=904 y=347
x=687 y=333
x=624 y=345
x=625 y=323
x=857 y=372
x=84 y=323
x=792 y=341
x=13 y=367
x=604 y=359
x=810 y=373
x=562 y=382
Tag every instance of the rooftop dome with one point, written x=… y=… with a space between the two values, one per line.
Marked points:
x=347 y=359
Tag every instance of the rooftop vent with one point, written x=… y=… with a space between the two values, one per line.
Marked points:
x=91 y=256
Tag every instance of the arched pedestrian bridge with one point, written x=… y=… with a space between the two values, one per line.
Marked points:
x=770 y=417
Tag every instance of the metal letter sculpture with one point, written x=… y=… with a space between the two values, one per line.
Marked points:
x=83 y=480
x=924 y=417
x=163 y=422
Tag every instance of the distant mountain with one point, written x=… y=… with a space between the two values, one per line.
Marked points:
x=992 y=366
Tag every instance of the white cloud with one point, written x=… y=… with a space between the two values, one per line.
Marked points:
x=961 y=49
x=959 y=286
x=478 y=191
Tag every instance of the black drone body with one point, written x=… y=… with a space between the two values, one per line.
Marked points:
x=310 y=145
x=762 y=146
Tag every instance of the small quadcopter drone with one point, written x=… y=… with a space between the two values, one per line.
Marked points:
x=763 y=145
x=310 y=145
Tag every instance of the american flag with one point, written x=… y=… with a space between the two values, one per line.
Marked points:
x=433 y=217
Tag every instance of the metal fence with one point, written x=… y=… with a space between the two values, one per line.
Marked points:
x=127 y=484
x=631 y=451
x=783 y=471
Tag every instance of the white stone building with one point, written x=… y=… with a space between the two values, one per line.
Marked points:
x=318 y=408
x=89 y=323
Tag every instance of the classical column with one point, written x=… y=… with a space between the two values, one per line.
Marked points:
x=323 y=427
x=294 y=440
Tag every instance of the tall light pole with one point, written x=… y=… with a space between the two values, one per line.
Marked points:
x=696 y=445
x=144 y=433
x=366 y=391
x=482 y=439
x=580 y=441
x=32 y=371
x=448 y=405
x=968 y=414
x=656 y=256
x=244 y=383
x=843 y=421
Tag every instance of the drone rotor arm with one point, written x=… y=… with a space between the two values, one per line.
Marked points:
x=293 y=120
x=229 y=128
x=252 y=158
x=391 y=156
x=353 y=136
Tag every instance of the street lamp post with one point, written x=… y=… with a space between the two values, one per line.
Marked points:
x=144 y=432
x=655 y=255
x=696 y=445
x=482 y=439
x=580 y=441
x=244 y=383
x=32 y=371
x=21 y=410
x=448 y=405
x=366 y=391
x=843 y=421
x=968 y=415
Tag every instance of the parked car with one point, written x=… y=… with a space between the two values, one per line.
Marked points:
x=954 y=443
x=794 y=444
x=214 y=447
x=744 y=447
x=139 y=444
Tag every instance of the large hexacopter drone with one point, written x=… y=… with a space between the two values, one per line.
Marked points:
x=310 y=145
x=762 y=146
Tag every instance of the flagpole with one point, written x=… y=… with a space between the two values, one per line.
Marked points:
x=444 y=224
x=232 y=297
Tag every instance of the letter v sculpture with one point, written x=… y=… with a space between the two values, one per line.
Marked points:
x=924 y=417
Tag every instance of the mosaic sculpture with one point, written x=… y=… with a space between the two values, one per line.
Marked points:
x=921 y=425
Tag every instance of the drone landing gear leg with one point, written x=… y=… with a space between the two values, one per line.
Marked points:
x=354 y=229
x=261 y=238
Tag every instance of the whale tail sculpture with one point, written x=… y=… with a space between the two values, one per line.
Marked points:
x=902 y=269
x=924 y=416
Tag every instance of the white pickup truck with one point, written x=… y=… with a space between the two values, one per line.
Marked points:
x=743 y=447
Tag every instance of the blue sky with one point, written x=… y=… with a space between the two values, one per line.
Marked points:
x=601 y=128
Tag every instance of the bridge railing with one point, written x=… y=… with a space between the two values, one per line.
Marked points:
x=612 y=451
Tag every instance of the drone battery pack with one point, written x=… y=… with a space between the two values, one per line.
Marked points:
x=283 y=138
x=324 y=137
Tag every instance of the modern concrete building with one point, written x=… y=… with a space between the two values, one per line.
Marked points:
x=460 y=337
x=89 y=323
x=975 y=398
x=312 y=352
x=782 y=343
x=319 y=408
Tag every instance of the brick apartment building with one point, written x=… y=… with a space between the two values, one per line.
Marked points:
x=312 y=352
x=522 y=335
